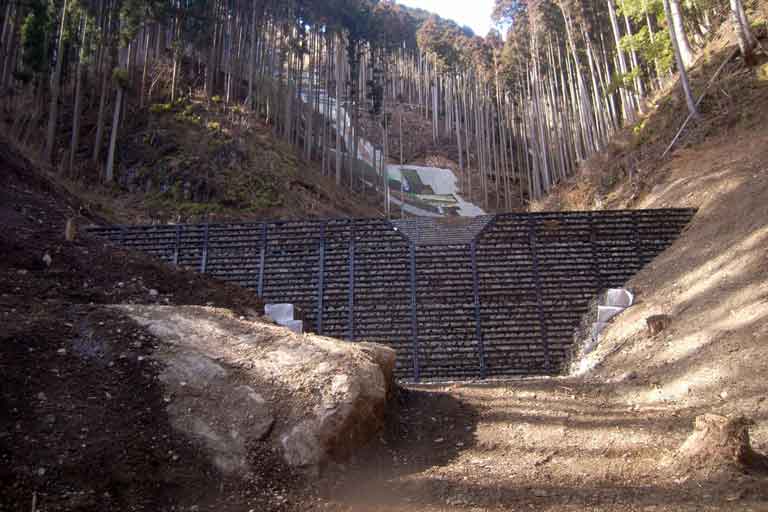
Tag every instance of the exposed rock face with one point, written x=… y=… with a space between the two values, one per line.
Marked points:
x=231 y=382
x=206 y=405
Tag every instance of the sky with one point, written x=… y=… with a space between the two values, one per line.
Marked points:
x=473 y=13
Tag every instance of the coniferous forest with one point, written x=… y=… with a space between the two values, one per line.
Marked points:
x=519 y=111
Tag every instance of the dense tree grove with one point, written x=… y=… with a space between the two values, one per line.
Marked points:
x=522 y=109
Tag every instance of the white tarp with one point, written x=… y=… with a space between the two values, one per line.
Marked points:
x=442 y=181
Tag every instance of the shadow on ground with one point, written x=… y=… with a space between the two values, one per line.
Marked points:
x=425 y=428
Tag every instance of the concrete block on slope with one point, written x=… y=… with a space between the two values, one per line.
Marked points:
x=619 y=297
x=605 y=313
x=280 y=313
x=296 y=326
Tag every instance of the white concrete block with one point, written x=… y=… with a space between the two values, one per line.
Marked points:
x=279 y=312
x=296 y=326
x=598 y=328
x=605 y=313
x=619 y=297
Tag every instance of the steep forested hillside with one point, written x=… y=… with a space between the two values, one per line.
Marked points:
x=349 y=85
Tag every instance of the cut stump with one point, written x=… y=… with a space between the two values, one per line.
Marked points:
x=718 y=443
x=657 y=323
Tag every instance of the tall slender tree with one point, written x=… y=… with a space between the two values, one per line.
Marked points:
x=684 y=83
x=53 y=109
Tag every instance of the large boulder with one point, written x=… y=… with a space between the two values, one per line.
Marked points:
x=230 y=382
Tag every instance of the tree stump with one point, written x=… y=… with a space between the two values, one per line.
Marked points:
x=717 y=443
x=657 y=323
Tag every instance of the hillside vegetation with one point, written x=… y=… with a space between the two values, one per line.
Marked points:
x=346 y=86
x=191 y=160
x=712 y=282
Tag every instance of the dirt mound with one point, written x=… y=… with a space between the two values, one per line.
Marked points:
x=712 y=281
x=84 y=423
x=82 y=413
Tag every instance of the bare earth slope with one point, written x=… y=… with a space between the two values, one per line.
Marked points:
x=83 y=422
x=713 y=282
x=163 y=403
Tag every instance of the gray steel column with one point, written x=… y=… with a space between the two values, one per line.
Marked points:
x=351 y=286
x=414 y=319
x=539 y=293
x=177 y=245
x=262 y=260
x=476 y=300
x=204 y=258
x=321 y=280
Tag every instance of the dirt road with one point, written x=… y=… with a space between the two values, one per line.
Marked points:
x=552 y=444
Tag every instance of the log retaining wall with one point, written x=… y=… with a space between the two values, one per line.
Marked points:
x=494 y=296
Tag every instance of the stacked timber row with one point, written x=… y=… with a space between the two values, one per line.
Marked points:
x=490 y=297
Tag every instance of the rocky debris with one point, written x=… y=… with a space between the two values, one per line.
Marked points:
x=717 y=444
x=230 y=382
x=623 y=377
x=657 y=323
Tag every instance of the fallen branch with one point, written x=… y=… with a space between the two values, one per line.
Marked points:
x=698 y=102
